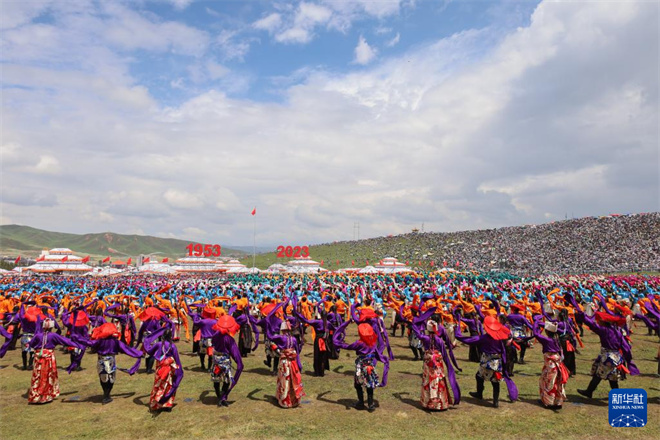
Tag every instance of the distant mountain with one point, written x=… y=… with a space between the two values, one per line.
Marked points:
x=260 y=249
x=24 y=240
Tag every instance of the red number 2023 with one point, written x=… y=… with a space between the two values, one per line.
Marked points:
x=296 y=252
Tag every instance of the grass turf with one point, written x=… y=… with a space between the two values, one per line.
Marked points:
x=326 y=411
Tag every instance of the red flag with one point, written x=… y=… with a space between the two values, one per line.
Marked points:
x=41 y=258
x=470 y=264
x=444 y=263
x=66 y=258
x=458 y=263
x=254 y=211
x=129 y=261
x=432 y=263
x=337 y=262
x=145 y=261
x=106 y=260
x=86 y=259
x=17 y=259
x=352 y=262
x=406 y=262
x=321 y=262
x=367 y=262
x=166 y=260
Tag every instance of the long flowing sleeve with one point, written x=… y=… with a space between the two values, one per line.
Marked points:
x=236 y=355
x=132 y=352
x=451 y=374
x=340 y=334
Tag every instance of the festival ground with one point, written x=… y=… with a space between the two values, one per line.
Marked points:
x=326 y=412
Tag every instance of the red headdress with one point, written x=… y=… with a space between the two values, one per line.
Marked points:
x=610 y=319
x=209 y=312
x=151 y=313
x=227 y=325
x=367 y=334
x=495 y=328
x=367 y=313
x=104 y=331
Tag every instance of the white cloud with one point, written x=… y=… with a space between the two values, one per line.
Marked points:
x=47 y=165
x=394 y=41
x=364 y=54
x=130 y=30
x=194 y=233
x=216 y=70
x=232 y=48
x=181 y=4
x=182 y=199
x=16 y=13
x=307 y=17
x=483 y=128
x=300 y=25
x=269 y=23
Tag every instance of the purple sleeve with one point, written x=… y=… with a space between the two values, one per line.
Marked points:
x=424 y=316
x=354 y=313
x=338 y=337
x=426 y=340
x=63 y=340
x=470 y=340
x=650 y=324
x=591 y=323
x=132 y=352
x=255 y=329
x=4 y=333
x=236 y=355
x=386 y=368
x=451 y=374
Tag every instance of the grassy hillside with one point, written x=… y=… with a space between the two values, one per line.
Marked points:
x=608 y=244
x=24 y=240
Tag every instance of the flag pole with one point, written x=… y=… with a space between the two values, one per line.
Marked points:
x=254 y=238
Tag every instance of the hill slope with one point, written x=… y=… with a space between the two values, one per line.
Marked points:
x=593 y=244
x=17 y=239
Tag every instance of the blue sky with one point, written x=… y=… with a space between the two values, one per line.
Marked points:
x=176 y=118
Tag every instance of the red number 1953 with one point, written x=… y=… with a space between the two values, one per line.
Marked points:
x=208 y=250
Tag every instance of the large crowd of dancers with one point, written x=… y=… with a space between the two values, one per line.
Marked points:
x=226 y=319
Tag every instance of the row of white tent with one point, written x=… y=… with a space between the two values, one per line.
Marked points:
x=63 y=261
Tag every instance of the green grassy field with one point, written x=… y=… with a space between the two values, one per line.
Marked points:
x=325 y=412
x=27 y=241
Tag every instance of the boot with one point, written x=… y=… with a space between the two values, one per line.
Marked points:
x=209 y=363
x=150 y=364
x=267 y=361
x=30 y=362
x=225 y=390
x=276 y=364
x=614 y=384
x=360 y=396
x=523 y=350
x=480 y=389
x=202 y=357
x=24 y=355
x=107 y=388
x=216 y=387
x=595 y=380
x=496 y=394
x=370 y=400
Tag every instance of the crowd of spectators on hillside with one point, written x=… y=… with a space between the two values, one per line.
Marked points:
x=608 y=244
